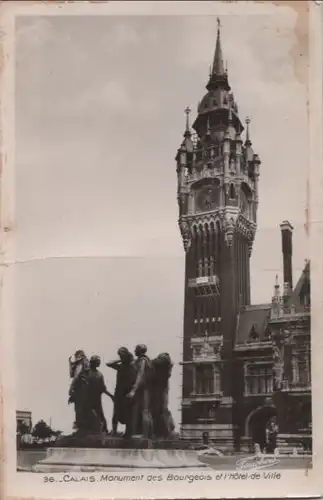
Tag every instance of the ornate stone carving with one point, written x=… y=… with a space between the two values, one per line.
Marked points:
x=207 y=348
x=246 y=227
x=280 y=339
x=229 y=229
x=208 y=218
x=228 y=235
x=186 y=233
x=278 y=366
x=250 y=245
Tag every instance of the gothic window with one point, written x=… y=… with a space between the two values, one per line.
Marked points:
x=301 y=369
x=232 y=193
x=303 y=372
x=204 y=379
x=258 y=379
x=245 y=199
x=217 y=380
x=195 y=249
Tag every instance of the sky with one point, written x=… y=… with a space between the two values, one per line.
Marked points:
x=99 y=117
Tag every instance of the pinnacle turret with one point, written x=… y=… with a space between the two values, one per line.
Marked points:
x=248 y=140
x=187 y=144
x=187 y=132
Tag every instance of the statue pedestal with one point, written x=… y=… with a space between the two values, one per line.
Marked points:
x=99 y=459
x=104 y=453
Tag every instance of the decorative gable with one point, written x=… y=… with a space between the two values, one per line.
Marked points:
x=253 y=334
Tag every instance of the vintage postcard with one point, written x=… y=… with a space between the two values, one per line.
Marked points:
x=161 y=249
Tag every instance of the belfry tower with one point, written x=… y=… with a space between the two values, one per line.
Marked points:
x=218 y=176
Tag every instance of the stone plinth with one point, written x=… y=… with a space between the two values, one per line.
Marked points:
x=117 y=442
x=105 y=459
x=100 y=452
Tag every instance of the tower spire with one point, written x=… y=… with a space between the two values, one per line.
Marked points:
x=218 y=73
x=218 y=66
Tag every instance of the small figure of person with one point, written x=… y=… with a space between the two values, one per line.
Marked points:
x=140 y=394
x=126 y=376
x=259 y=421
x=271 y=435
x=97 y=387
x=205 y=438
x=259 y=434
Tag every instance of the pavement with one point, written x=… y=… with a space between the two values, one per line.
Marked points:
x=249 y=462
x=27 y=458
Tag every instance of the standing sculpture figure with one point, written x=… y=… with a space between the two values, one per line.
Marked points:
x=78 y=392
x=126 y=375
x=97 y=387
x=163 y=424
x=140 y=393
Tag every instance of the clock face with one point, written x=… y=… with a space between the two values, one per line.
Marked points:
x=207 y=198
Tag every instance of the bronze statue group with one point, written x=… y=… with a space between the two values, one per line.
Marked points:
x=140 y=398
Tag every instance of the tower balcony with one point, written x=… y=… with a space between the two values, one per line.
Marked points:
x=205 y=286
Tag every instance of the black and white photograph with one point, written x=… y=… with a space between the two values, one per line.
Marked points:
x=159 y=250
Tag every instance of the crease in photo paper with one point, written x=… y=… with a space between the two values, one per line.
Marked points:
x=161 y=236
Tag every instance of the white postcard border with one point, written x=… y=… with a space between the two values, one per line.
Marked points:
x=293 y=483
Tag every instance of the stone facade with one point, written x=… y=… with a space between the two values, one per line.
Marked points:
x=230 y=347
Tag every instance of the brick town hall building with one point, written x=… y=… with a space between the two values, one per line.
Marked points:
x=238 y=359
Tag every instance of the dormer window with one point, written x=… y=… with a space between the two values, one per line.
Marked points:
x=253 y=334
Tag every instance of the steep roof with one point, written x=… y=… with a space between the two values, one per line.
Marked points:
x=252 y=321
x=302 y=287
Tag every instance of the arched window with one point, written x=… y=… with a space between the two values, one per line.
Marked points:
x=245 y=200
x=232 y=192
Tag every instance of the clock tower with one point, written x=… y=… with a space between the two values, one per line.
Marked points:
x=217 y=174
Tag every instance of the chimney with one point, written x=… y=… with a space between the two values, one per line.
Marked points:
x=287 y=247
